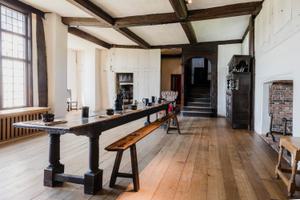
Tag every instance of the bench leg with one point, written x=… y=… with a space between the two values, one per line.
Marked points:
x=278 y=166
x=177 y=124
x=135 y=169
x=292 y=181
x=168 y=125
x=116 y=169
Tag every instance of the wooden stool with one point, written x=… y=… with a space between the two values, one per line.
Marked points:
x=176 y=127
x=291 y=144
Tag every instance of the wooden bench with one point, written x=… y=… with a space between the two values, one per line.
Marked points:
x=130 y=141
x=292 y=145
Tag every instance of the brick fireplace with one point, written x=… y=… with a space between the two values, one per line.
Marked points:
x=281 y=105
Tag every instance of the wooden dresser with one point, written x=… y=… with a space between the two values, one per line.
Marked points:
x=238 y=94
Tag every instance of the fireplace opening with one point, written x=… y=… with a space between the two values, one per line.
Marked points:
x=281 y=107
x=280 y=111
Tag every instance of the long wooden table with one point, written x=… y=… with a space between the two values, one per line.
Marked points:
x=92 y=128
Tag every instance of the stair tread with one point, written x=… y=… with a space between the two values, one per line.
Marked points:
x=198 y=102
x=198 y=107
x=200 y=112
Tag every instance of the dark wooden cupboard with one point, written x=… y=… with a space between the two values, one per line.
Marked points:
x=238 y=94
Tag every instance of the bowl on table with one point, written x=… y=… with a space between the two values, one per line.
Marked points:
x=48 y=117
x=133 y=107
x=110 y=111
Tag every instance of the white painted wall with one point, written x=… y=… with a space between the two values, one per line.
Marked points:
x=225 y=53
x=84 y=72
x=277 y=42
x=144 y=64
x=73 y=82
x=245 y=45
x=56 y=47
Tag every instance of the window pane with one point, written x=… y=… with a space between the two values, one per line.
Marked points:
x=13 y=80
x=12 y=20
x=13 y=45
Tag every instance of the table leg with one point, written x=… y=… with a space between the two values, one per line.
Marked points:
x=54 y=165
x=93 y=178
x=148 y=120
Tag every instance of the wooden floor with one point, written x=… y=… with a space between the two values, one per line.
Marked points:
x=208 y=161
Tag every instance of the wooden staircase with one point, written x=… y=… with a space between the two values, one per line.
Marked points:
x=198 y=102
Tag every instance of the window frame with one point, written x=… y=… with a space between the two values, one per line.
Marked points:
x=28 y=56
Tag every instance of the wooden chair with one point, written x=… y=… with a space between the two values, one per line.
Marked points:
x=71 y=104
x=292 y=145
x=130 y=141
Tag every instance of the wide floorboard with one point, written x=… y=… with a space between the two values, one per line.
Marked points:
x=208 y=161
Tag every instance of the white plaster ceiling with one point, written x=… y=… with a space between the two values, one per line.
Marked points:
x=201 y=4
x=108 y=35
x=208 y=30
x=61 y=7
x=161 y=34
x=221 y=29
x=78 y=43
x=123 y=8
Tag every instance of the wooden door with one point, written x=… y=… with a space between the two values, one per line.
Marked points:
x=176 y=85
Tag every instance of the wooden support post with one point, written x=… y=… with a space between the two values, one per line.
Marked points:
x=54 y=164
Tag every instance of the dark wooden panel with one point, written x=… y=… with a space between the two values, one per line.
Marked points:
x=41 y=63
x=238 y=100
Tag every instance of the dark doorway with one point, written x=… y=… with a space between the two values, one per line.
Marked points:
x=198 y=88
x=176 y=85
x=200 y=76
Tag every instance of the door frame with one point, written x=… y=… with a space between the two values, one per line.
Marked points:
x=209 y=51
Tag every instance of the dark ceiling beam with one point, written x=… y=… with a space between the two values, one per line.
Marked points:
x=93 y=10
x=84 y=21
x=181 y=12
x=144 y=20
x=89 y=37
x=238 y=41
x=189 y=32
x=102 y=16
x=197 y=44
x=23 y=6
x=132 y=36
x=224 y=11
x=180 y=8
x=126 y=46
x=245 y=33
x=251 y=8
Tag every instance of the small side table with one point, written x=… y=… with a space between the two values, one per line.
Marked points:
x=292 y=145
